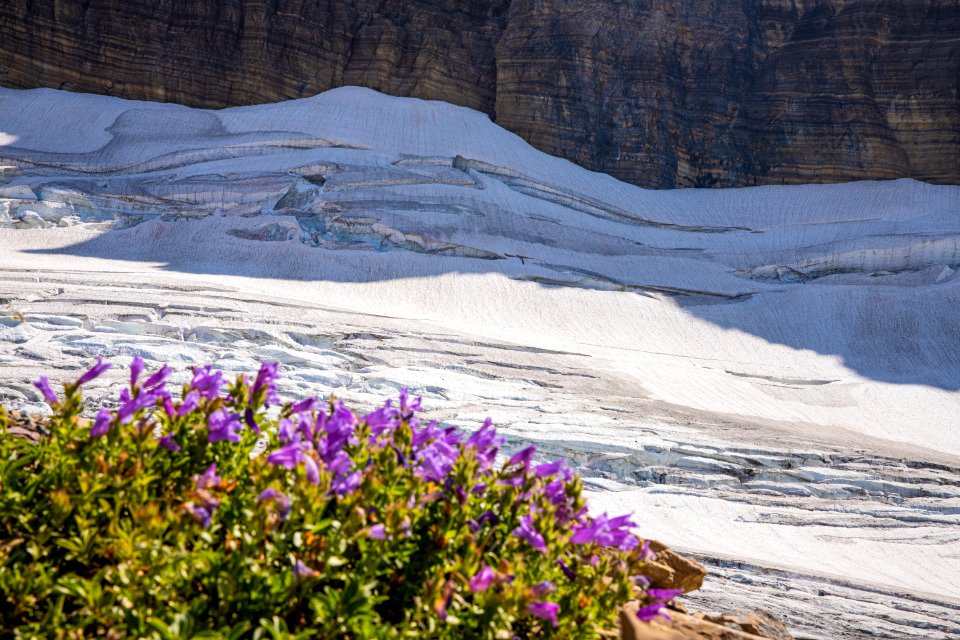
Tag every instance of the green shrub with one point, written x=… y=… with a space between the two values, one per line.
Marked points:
x=155 y=520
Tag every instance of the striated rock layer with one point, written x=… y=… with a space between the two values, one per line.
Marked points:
x=661 y=93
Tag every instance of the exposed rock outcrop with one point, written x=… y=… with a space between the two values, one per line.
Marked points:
x=657 y=92
x=682 y=626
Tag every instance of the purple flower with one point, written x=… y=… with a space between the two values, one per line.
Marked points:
x=289 y=455
x=189 y=404
x=130 y=407
x=651 y=611
x=529 y=533
x=266 y=382
x=207 y=383
x=278 y=499
x=223 y=426
x=556 y=492
x=202 y=515
x=267 y=494
x=545 y=610
x=406 y=407
x=664 y=595
x=486 y=443
x=168 y=443
x=567 y=571
x=646 y=553
x=339 y=429
x=381 y=420
x=482 y=580
x=524 y=456
x=377 y=532
x=304 y=406
x=43 y=384
x=209 y=478
x=515 y=481
x=548 y=469
x=94 y=372
x=285 y=430
x=136 y=368
x=168 y=406
x=606 y=532
x=101 y=425
x=313 y=471
x=249 y=421
x=485 y=517
x=302 y=571
x=347 y=484
x=543 y=588
x=158 y=378
x=203 y=507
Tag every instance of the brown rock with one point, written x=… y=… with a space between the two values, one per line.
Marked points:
x=670 y=570
x=758 y=623
x=696 y=627
x=660 y=93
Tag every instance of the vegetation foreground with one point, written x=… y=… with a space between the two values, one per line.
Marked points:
x=158 y=519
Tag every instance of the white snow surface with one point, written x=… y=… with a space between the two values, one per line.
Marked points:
x=767 y=377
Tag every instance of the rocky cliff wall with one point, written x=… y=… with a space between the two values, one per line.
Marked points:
x=660 y=93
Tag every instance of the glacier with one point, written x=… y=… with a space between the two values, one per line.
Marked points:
x=768 y=377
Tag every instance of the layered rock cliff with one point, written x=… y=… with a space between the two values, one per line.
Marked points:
x=656 y=92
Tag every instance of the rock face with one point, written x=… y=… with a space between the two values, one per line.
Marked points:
x=661 y=93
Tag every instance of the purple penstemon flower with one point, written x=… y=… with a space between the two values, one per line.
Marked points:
x=549 y=469
x=652 y=611
x=664 y=595
x=168 y=443
x=202 y=514
x=482 y=580
x=93 y=372
x=266 y=383
x=249 y=421
x=136 y=368
x=527 y=531
x=190 y=402
x=567 y=571
x=545 y=610
x=168 y=407
x=205 y=504
x=223 y=425
x=305 y=406
x=206 y=382
x=289 y=455
x=381 y=420
x=377 y=532
x=43 y=384
x=556 y=492
x=523 y=457
x=312 y=469
x=407 y=408
x=280 y=500
x=209 y=478
x=285 y=430
x=101 y=424
x=345 y=485
x=302 y=571
x=159 y=378
x=130 y=406
x=606 y=532
x=486 y=443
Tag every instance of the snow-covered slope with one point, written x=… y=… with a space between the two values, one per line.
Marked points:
x=768 y=375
